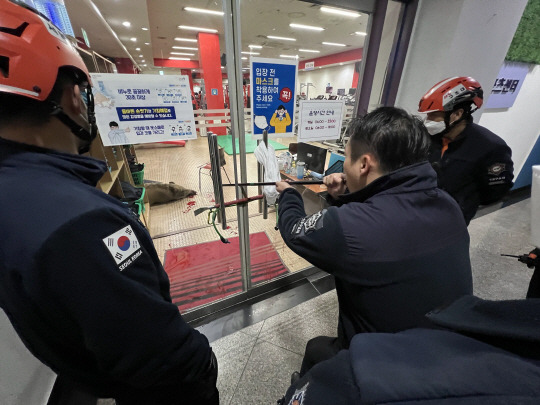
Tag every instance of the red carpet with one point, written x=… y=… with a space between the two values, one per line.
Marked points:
x=209 y=271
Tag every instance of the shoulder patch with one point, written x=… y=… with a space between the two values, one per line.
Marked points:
x=496 y=169
x=309 y=224
x=123 y=246
x=299 y=396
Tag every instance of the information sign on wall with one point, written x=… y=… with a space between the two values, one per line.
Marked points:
x=132 y=109
x=273 y=95
x=320 y=120
x=309 y=65
x=507 y=85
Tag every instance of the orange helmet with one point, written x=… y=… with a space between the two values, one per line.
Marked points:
x=32 y=50
x=449 y=93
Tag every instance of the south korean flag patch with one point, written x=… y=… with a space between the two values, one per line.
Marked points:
x=123 y=246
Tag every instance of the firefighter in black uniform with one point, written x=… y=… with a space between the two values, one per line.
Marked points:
x=80 y=279
x=472 y=163
x=397 y=246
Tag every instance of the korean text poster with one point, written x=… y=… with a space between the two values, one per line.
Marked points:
x=273 y=96
x=133 y=109
x=507 y=85
x=320 y=120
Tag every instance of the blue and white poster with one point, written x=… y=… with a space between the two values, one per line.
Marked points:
x=507 y=85
x=273 y=96
x=133 y=109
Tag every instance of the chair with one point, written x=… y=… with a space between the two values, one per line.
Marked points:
x=208 y=168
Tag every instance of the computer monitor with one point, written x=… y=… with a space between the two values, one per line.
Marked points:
x=313 y=156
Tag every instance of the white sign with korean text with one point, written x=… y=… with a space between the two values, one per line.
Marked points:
x=133 y=109
x=320 y=120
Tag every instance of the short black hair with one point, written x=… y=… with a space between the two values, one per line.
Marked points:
x=395 y=138
x=281 y=107
x=20 y=110
x=113 y=124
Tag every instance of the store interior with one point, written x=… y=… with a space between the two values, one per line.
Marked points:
x=189 y=38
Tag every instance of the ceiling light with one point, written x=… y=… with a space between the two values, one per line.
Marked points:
x=361 y=33
x=147 y=43
x=126 y=24
x=187 y=27
x=140 y=56
x=244 y=58
x=333 y=44
x=309 y=50
x=145 y=65
x=175 y=58
x=289 y=56
x=251 y=53
x=223 y=67
x=282 y=38
x=144 y=29
x=133 y=39
x=306 y=27
x=137 y=49
x=185 y=39
x=186 y=47
x=143 y=61
x=182 y=53
x=340 y=12
x=202 y=10
x=255 y=46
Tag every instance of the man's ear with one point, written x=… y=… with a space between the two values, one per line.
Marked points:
x=457 y=114
x=366 y=163
x=72 y=100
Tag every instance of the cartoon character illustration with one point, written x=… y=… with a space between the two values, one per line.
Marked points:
x=117 y=135
x=280 y=120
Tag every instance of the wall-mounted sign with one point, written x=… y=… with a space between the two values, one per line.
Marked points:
x=507 y=85
x=320 y=120
x=132 y=109
x=309 y=65
x=273 y=95
x=214 y=92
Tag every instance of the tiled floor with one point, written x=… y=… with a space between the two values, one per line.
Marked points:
x=256 y=362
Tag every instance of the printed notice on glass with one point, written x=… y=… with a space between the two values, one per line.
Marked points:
x=273 y=95
x=320 y=120
x=133 y=109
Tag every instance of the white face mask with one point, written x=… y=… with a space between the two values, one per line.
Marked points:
x=434 y=127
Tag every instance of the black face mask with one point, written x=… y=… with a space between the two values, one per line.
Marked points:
x=85 y=135
x=88 y=99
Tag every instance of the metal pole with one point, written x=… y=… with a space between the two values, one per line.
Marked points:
x=233 y=43
x=213 y=149
x=264 y=202
x=260 y=179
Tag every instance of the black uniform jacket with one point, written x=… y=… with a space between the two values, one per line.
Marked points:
x=398 y=248
x=476 y=169
x=82 y=284
x=490 y=354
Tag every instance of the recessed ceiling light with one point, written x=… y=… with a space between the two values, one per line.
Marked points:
x=282 y=38
x=182 y=53
x=145 y=65
x=137 y=49
x=361 y=33
x=309 y=50
x=143 y=61
x=255 y=46
x=133 y=39
x=186 y=47
x=126 y=24
x=244 y=57
x=140 y=56
x=175 y=58
x=223 y=67
x=251 y=53
x=289 y=56
x=190 y=28
x=306 y=27
x=333 y=44
x=185 y=39
x=144 y=29
x=202 y=10
x=147 y=43
x=341 y=64
x=340 y=12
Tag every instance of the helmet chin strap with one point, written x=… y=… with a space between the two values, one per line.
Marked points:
x=80 y=132
x=450 y=126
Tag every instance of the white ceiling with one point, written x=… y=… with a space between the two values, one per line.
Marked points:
x=259 y=18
